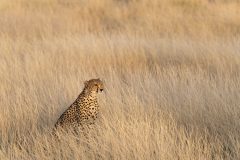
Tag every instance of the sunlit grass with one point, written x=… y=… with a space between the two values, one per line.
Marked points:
x=170 y=68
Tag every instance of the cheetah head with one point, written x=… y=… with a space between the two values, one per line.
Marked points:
x=93 y=86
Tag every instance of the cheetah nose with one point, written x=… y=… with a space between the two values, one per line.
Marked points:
x=101 y=90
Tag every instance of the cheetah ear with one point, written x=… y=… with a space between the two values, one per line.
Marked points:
x=85 y=83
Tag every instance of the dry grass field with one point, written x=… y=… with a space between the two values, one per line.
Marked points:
x=171 y=70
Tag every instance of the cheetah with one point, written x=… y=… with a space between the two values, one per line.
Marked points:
x=84 y=109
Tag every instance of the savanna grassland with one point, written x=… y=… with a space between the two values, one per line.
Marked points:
x=171 y=70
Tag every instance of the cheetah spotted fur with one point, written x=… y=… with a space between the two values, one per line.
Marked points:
x=84 y=109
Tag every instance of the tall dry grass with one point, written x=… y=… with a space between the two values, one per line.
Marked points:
x=171 y=72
